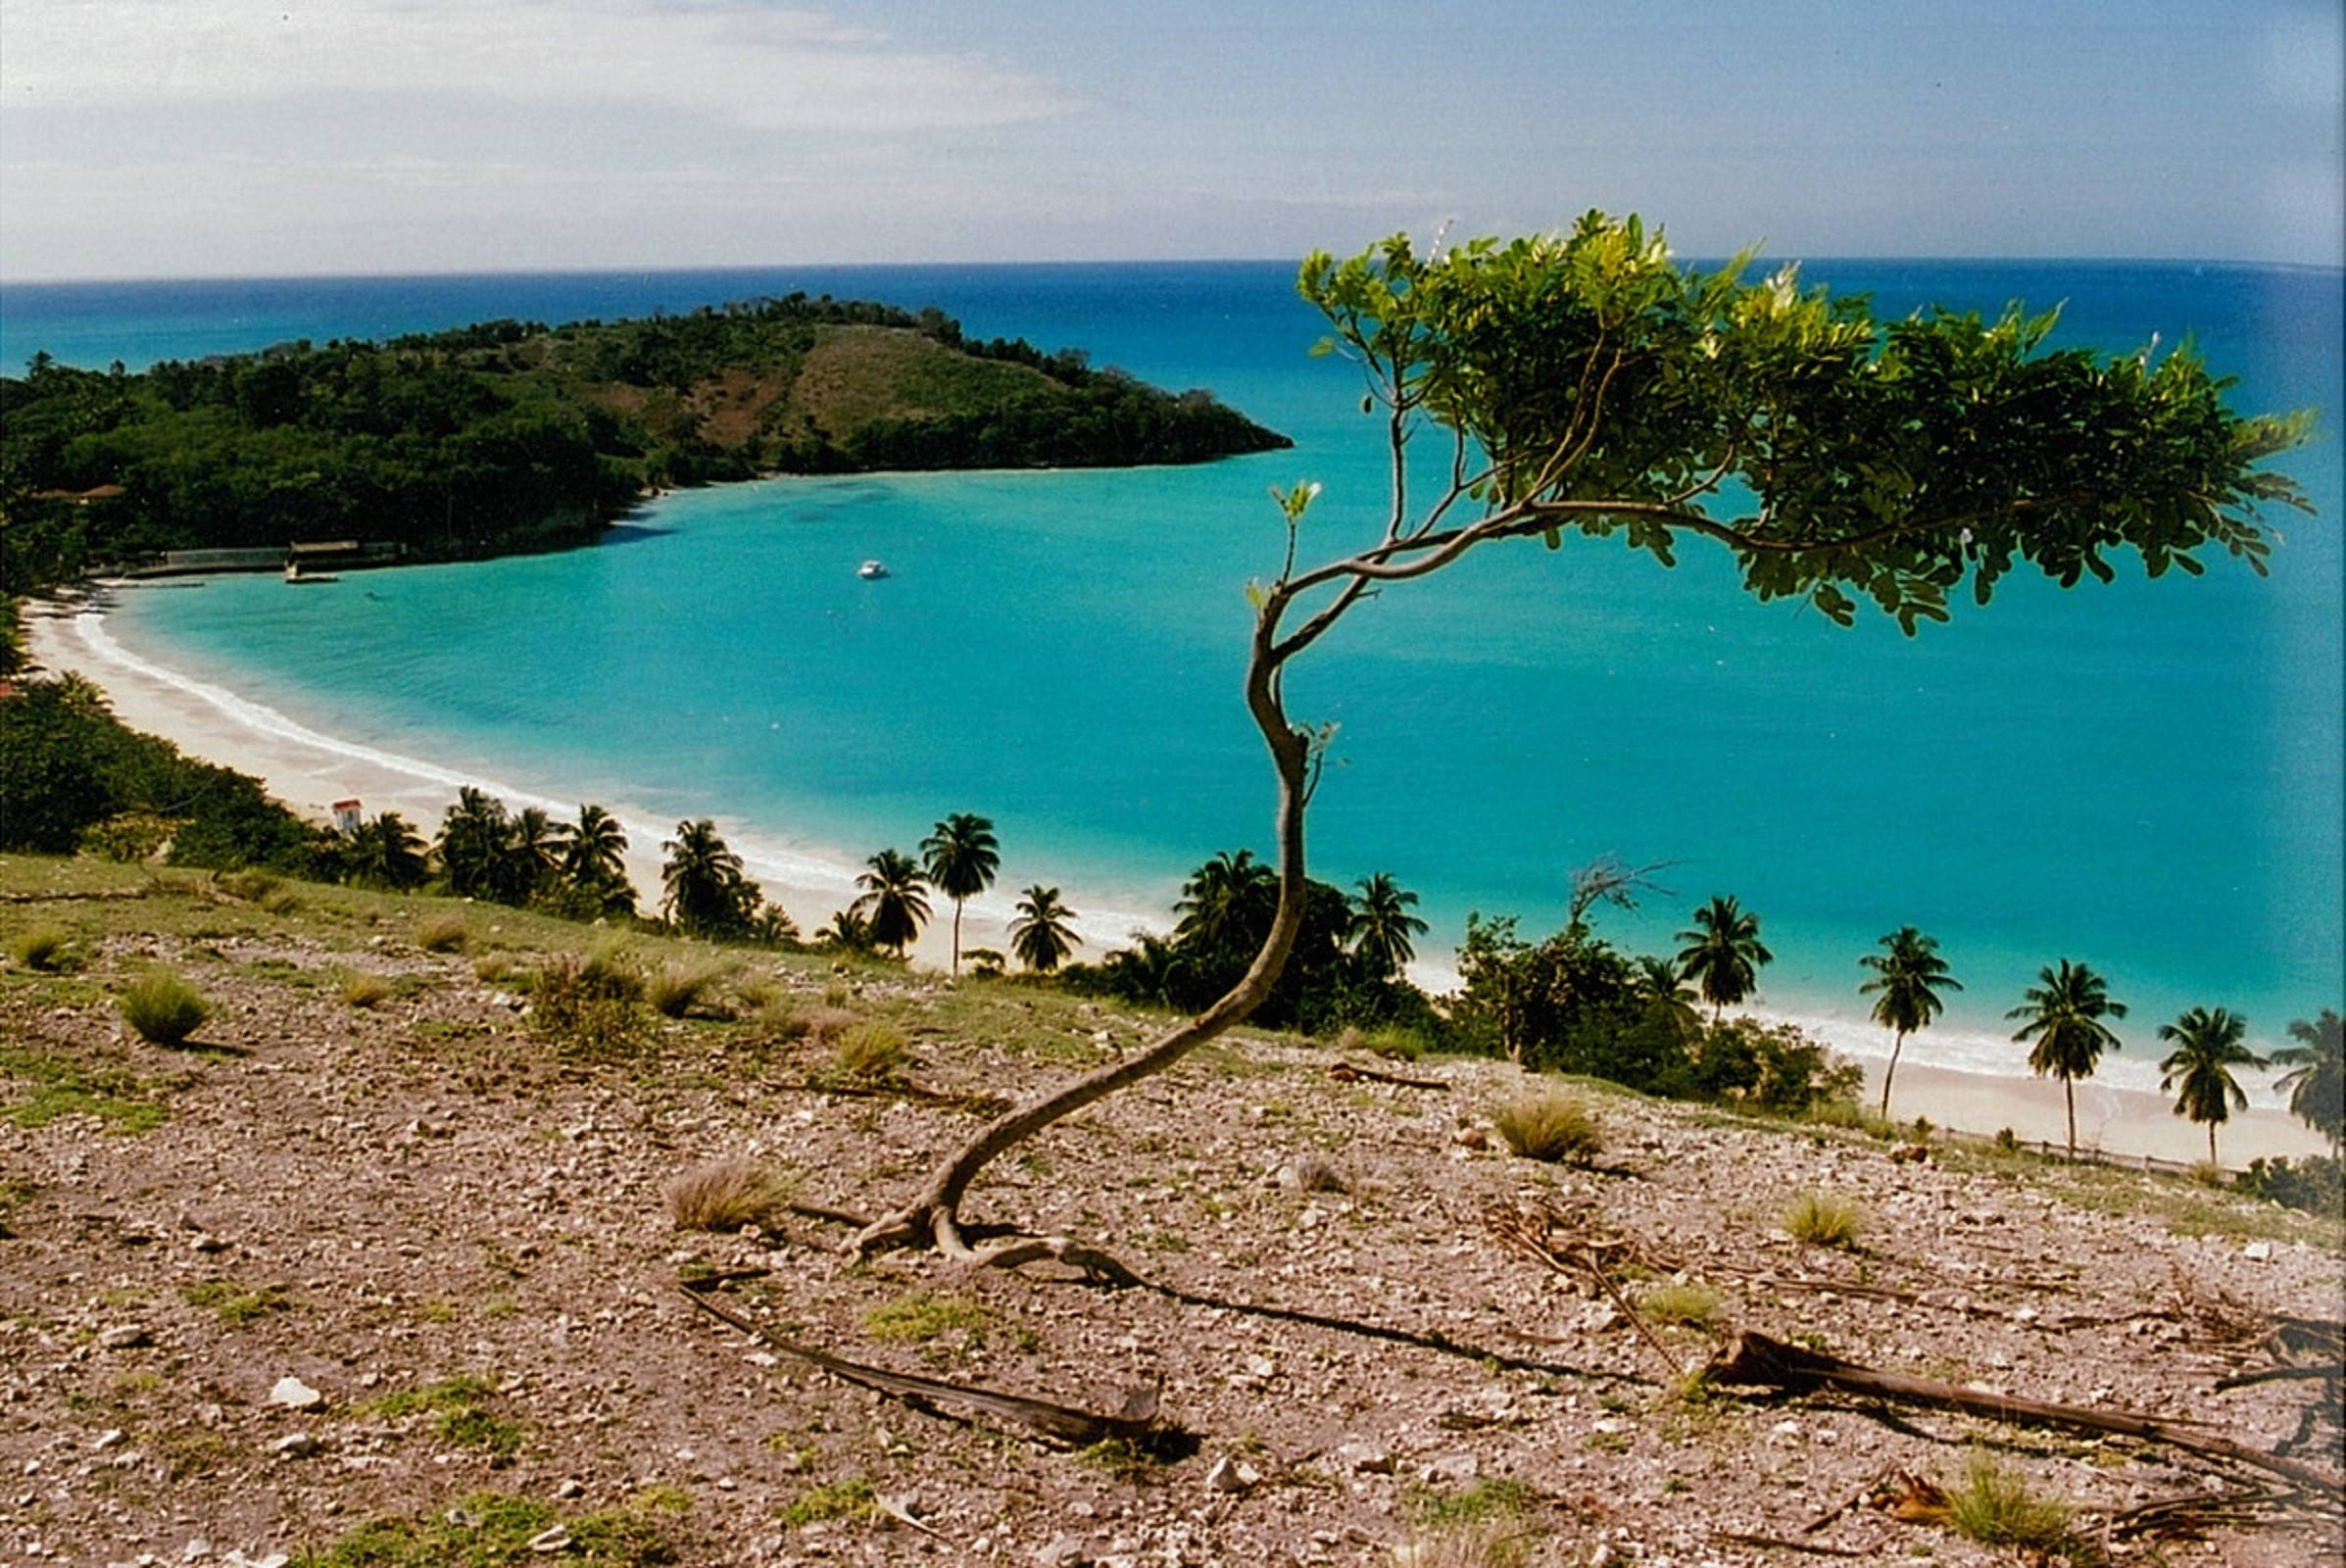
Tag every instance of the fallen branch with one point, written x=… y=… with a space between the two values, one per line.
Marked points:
x=1754 y=1360
x=1737 y=1537
x=1531 y=1229
x=1137 y=1425
x=1345 y=1072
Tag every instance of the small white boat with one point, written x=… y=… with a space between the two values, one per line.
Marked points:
x=872 y=571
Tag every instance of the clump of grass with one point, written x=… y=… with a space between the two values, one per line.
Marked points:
x=591 y=1006
x=1821 y=1220
x=362 y=988
x=1549 y=1125
x=443 y=933
x=248 y=885
x=852 y=1498
x=1995 y=1508
x=1480 y=1526
x=235 y=1305
x=2208 y=1173
x=675 y=990
x=870 y=1052
x=45 y=947
x=916 y=1317
x=164 y=1008
x=1687 y=1302
x=461 y=1414
x=490 y=1528
x=726 y=1195
x=1856 y=1117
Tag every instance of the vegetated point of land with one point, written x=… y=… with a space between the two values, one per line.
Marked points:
x=379 y=1267
x=511 y=435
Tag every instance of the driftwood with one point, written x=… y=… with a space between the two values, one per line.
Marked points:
x=1137 y=1424
x=1345 y=1072
x=1754 y=1360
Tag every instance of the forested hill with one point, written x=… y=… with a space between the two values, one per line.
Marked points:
x=511 y=435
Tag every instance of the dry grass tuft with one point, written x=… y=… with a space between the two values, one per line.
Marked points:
x=165 y=1010
x=1549 y=1125
x=443 y=933
x=362 y=989
x=1821 y=1220
x=870 y=1052
x=726 y=1195
x=44 y=948
x=675 y=989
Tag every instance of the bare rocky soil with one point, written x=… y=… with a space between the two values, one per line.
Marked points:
x=452 y=1233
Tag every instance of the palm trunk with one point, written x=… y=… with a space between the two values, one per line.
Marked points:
x=1897 y=1044
x=957 y=939
x=2068 y=1091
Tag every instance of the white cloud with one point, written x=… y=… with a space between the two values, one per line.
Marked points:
x=749 y=64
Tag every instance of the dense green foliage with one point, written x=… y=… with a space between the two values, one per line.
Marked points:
x=1226 y=908
x=2316 y=1082
x=511 y=435
x=2316 y=1184
x=68 y=768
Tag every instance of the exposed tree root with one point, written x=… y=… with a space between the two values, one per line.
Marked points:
x=1136 y=1424
x=1754 y=1360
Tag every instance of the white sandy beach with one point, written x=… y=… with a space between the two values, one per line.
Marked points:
x=310 y=772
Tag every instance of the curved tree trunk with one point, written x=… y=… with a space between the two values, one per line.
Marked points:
x=931 y=1217
x=1897 y=1044
x=2068 y=1092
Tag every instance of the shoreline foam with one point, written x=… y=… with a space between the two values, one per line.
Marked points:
x=309 y=771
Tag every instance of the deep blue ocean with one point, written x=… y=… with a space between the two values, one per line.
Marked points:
x=2146 y=777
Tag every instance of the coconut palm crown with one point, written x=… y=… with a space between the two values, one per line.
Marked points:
x=960 y=858
x=894 y=904
x=1907 y=980
x=1724 y=954
x=1380 y=926
x=2065 y=1014
x=2317 y=1087
x=2198 y=1072
x=1039 y=936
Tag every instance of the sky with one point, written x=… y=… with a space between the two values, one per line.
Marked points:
x=189 y=138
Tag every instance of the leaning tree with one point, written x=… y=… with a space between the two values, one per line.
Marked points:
x=1585 y=384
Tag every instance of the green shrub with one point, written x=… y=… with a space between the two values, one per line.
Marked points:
x=870 y=1052
x=1687 y=1302
x=44 y=948
x=1824 y=1221
x=362 y=989
x=2316 y=1184
x=1549 y=1125
x=444 y=933
x=674 y=990
x=590 y=1007
x=726 y=1195
x=1995 y=1508
x=163 y=1009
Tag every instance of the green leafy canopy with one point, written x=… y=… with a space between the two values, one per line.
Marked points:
x=1590 y=383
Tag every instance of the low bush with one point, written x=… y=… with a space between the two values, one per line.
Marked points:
x=1687 y=1302
x=675 y=990
x=726 y=1195
x=2316 y=1184
x=443 y=933
x=1995 y=1508
x=591 y=1006
x=870 y=1052
x=362 y=989
x=163 y=1008
x=1821 y=1220
x=44 y=948
x=1549 y=1125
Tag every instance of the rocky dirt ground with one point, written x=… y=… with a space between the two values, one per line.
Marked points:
x=375 y=1274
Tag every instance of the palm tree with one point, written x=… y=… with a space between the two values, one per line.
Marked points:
x=473 y=843
x=594 y=861
x=1905 y=977
x=2199 y=1070
x=1663 y=990
x=1227 y=902
x=2316 y=1089
x=2064 y=1014
x=533 y=854
x=704 y=890
x=388 y=853
x=1724 y=954
x=895 y=901
x=961 y=859
x=1380 y=926
x=1041 y=936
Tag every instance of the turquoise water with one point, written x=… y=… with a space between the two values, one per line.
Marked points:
x=2146 y=777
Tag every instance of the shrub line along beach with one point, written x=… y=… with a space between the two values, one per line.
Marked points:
x=310 y=772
